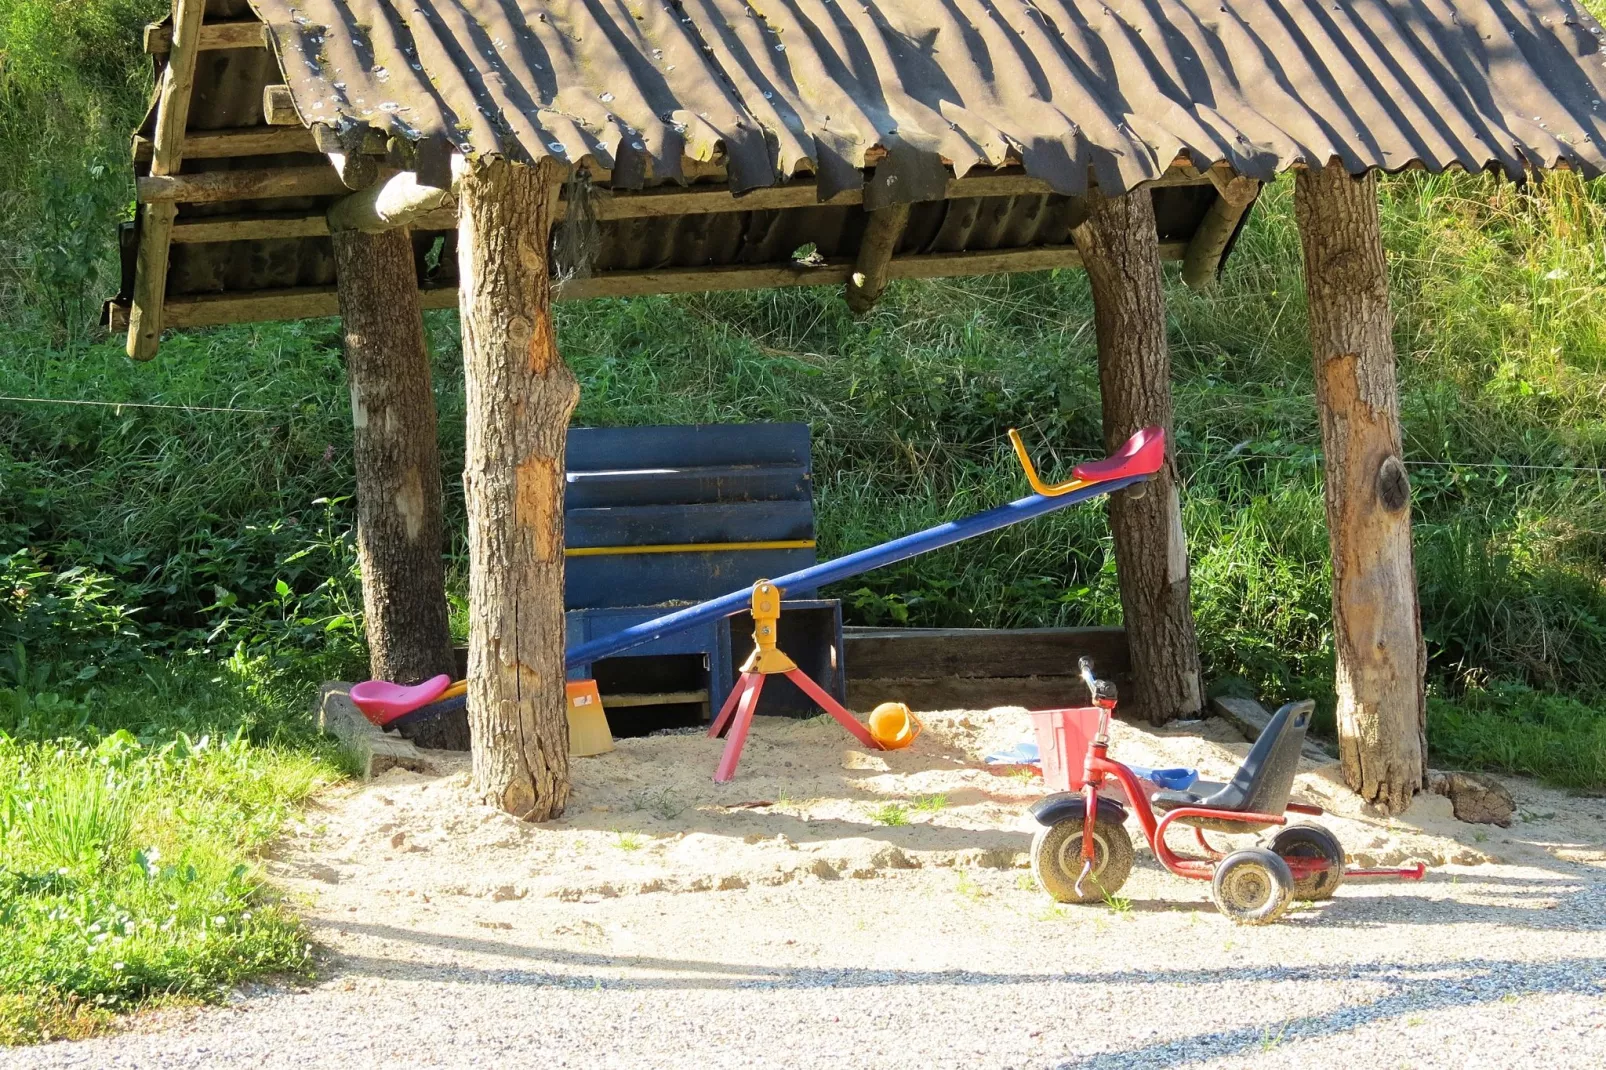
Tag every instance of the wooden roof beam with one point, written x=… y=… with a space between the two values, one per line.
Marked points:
x=309 y=302
x=209 y=187
x=244 y=33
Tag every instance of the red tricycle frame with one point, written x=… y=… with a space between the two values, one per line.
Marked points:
x=1099 y=765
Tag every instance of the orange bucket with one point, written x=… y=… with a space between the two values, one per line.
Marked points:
x=893 y=725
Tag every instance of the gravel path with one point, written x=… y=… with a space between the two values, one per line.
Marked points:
x=1494 y=965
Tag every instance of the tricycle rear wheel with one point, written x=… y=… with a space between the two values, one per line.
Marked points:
x=1312 y=843
x=1253 y=887
x=1057 y=860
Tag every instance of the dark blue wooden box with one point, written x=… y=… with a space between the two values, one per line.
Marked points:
x=663 y=516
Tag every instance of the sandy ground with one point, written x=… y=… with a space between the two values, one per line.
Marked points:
x=452 y=935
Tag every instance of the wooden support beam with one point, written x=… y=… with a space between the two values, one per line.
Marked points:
x=156 y=220
x=242 y=141
x=1377 y=630
x=672 y=201
x=396 y=202
x=1122 y=258
x=881 y=236
x=520 y=394
x=279 y=106
x=1203 y=262
x=400 y=533
x=312 y=302
x=245 y=33
x=210 y=187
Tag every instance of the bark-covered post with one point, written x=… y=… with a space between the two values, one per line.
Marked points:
x=400 y=534
x=1377 y=629
x=1121 y=252
x=520 y=394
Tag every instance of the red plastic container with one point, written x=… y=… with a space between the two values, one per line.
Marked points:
x=1062 y=740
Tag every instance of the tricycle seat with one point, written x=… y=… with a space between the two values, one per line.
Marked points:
x=1262 y=783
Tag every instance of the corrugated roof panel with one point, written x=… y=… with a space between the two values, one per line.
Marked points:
x=1065 y=87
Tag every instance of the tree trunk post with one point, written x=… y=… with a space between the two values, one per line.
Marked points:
x=1377 y=628
x=1120 y=251
x=520 y=394
x=400 y=533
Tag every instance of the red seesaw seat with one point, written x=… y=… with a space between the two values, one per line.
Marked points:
x=382 y=702
x=1140 y=455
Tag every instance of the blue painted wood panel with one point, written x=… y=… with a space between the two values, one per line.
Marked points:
x=644 y=579
x=687 y=445
x=667 y=484
x=648 y=525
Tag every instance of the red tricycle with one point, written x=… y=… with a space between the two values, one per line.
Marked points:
x=1083 y=853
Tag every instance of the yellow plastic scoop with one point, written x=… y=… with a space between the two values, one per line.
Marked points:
x=588 y=725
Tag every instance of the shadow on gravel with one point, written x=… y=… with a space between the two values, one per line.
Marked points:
x=1415 y=989
x=1488 y=978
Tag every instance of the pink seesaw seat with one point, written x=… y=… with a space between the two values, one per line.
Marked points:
x=1140 y=455
x=382 y=702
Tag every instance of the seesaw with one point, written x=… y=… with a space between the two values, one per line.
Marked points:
x=1139 y=458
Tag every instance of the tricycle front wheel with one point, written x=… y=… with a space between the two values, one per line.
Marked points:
x=1057 y=860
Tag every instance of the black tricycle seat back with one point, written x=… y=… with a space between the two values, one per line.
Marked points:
x=1262 y=783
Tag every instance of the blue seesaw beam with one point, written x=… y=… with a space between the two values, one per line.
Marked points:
x=843 y=567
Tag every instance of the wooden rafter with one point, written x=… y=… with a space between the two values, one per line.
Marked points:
x=213 y=187
x=156 y=220
x=244 y=33
x=309 y=302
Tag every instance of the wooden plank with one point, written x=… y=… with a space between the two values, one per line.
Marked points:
x=210 y=187
x=935 y=653
x=708 y=522
x=310 y=302
x=239 y=141
x=654 y=698
x=659 y=203
x=167 y=144
x=701 y=280
x=229 y=228
x=965 y=693
x=1250 y=719
x=244 y=33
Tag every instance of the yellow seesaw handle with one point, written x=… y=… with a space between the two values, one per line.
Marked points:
x=1031 y=473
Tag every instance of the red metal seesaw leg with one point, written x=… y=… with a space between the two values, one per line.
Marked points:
x=738 y=732
x=724 y=716
x=834 y=708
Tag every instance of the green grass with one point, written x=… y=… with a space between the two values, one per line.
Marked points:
x=890 y=814
x=126 y=870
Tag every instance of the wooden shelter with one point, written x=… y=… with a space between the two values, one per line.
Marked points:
x=309 y=157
